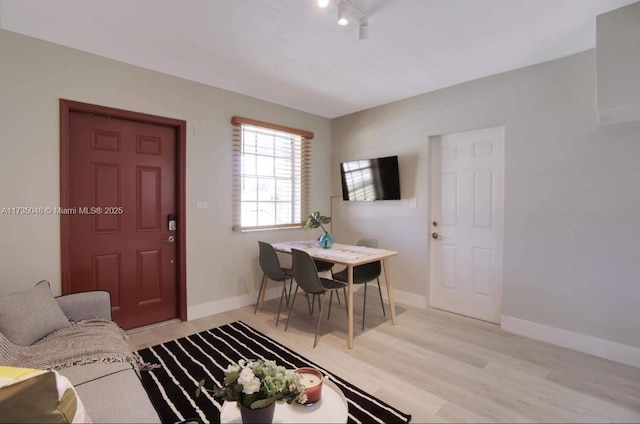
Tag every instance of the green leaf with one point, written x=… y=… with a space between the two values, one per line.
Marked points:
x=261 y=403
x=316 y=220
x=231 y=377
x=199 y=388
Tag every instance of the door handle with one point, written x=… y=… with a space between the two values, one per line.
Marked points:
x=436 y=236
x=171 y=239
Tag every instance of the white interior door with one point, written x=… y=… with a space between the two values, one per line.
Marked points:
x=467 y=207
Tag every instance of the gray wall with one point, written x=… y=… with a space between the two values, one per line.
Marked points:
x=35 y=74
x=618 y=63
x=572 y=233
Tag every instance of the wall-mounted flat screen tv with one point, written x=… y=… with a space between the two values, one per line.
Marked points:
x=371 y=179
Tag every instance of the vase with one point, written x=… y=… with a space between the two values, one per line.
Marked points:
x=260 y=415
x=326 y=240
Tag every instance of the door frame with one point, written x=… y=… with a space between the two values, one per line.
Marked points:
x=68 y=106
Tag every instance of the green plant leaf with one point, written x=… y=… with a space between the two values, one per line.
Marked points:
x=316 y=220
x=199 y=388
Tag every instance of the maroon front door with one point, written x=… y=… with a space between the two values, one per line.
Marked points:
x=122 y=196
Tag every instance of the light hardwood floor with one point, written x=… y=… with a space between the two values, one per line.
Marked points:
x=442 y=367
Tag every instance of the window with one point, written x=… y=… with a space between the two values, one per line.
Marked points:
x=270 y=175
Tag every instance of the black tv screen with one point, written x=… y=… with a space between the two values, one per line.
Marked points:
x=370 y=179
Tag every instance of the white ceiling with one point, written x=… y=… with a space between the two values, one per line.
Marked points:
x=293 y=53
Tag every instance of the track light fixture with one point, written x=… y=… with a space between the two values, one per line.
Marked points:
x=363 y=30
x=343 y=13
x=347 y=12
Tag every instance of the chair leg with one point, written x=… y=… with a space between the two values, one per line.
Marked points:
x=381 y=301
x=330 y=298
x=346 y=307
x=337 y=294
x=313 y=303
x=259 y=293
x=309 y=305
x=291 y=307
x=364 y=307
x=290 y=290
x=315 y=340
x=284 y=294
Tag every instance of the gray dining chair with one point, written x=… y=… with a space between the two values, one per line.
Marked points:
x=270 y=265
x=306 y=275
x=364 y=274
x=322 y=266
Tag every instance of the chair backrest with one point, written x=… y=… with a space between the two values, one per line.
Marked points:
x=305 y=272
x=372 y=270
x=270 y=263
x=368 y=242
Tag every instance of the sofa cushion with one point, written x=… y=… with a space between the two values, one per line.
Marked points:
x=29 y=315
x=117 y=398
x=29 y=395
x=80 y=374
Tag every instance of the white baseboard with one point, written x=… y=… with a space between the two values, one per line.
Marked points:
x=407 y=298
x=224 y=305
x=588 y=344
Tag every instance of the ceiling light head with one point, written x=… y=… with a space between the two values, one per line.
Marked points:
x=323 y=3
x=363 y=31
x=343 y=13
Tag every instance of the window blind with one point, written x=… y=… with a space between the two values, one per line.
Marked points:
x=271 y=169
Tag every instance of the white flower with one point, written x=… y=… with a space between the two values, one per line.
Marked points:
x=248 y=381
x=252 y=386
x=232 y=368
x=246 y=375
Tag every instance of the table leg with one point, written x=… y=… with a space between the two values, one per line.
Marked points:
x=350 y=306
x=392 y=304
x=264 y=290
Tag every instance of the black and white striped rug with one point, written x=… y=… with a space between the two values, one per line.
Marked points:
x=185 y=361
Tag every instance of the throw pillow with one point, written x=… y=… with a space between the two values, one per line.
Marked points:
x=30 y=315
x=28 y=395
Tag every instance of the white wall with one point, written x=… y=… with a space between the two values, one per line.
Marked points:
x=35 y=74
x=572 y=197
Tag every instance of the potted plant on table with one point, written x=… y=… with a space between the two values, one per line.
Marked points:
x=257 y=386
x=316 y=220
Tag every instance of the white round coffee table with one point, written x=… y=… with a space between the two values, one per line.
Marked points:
x=331 y=408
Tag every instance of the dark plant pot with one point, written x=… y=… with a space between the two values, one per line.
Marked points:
x=261 y=415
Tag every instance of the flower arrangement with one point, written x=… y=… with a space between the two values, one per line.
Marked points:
x=257 y=384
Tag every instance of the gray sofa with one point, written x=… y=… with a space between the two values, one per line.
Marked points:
x=110 y=392
x=108 y=386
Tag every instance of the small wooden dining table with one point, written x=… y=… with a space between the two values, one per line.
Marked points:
x=349 y=256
